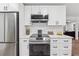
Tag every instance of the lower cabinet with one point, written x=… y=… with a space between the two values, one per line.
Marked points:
x=24 y=47
x=61 y=47
x=58 y=47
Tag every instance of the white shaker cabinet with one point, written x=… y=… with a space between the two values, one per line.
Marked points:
x=24 y=47
x=13 y=7
x=57 y=15
x=60 y=47
x=51 y=11
x=28 y=13
x=9 y=6
x=2 y=6
x=39 y=9
x=44 y=9
x=35 y=9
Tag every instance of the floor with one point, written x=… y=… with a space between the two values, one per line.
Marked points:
x=75 y=48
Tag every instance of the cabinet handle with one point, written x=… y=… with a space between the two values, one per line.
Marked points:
x=54 y=40
x=5 y=7
x=25 y=40
x=55 y=54
x=54 y=46
x=65 y=40
x=65 y=54
x=28 y=46
x=65 y=46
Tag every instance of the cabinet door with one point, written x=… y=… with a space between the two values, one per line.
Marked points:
x=60 y=15
x=12 y=7
x=44 y=10
x=1 y=27
x=9 y=6
x=57 y=15
x=35 y=9
x=51 y=11
x=24 y=47
x=2 y=6
x=28 y=15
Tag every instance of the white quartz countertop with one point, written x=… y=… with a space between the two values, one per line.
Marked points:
x=60 y=36
x=24 y=36
x=51 y=36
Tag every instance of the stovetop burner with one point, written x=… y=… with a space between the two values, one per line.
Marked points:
x=39 y=38
x=36 y=38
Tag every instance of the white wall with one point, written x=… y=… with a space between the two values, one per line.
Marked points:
x=72 y=9
x=21 y=21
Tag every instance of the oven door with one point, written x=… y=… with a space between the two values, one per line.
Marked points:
x=39 y=49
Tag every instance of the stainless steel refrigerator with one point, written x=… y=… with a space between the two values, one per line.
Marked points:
x=9 y=32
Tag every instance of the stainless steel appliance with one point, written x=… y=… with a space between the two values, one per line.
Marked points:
x=9 y=27
x=39 y=45
x=39 y=18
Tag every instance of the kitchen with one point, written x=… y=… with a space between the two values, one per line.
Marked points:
x=41 y=29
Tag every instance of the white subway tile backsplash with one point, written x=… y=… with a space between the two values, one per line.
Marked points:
x=45 y=28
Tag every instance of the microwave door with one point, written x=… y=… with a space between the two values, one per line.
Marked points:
x=10 y=27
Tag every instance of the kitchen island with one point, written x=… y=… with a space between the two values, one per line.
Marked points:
x=60 y=45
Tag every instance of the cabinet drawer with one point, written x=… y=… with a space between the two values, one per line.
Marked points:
x=66 y=41
x=66 y=53
x=66 y=46
x=54 y=41
x=54 y=53
x=54 y=46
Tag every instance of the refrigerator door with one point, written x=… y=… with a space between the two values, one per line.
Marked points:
x=1 y=27
x=10 y=27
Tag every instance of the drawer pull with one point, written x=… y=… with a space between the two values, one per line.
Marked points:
x=25 y=40
x=54 y=40
x=65 y=46
x=65 y=54
x=55 y=54
x=65 y=40
x=54 y=46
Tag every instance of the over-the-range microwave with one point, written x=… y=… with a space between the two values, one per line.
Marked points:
x=39 y=18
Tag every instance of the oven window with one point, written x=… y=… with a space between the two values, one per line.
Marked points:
x=39 y=49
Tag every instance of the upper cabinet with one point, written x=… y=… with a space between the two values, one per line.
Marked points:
x=35 y=9
x=57 y=15
x=28 y=13
x=9 y=6
x=39 y=9
x=44 y=9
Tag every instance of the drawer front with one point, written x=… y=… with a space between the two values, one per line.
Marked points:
x=54 y=41
x=54 y=46
x=54 y=53
x=65 y=41
x=66 y=53
x=66 y=46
